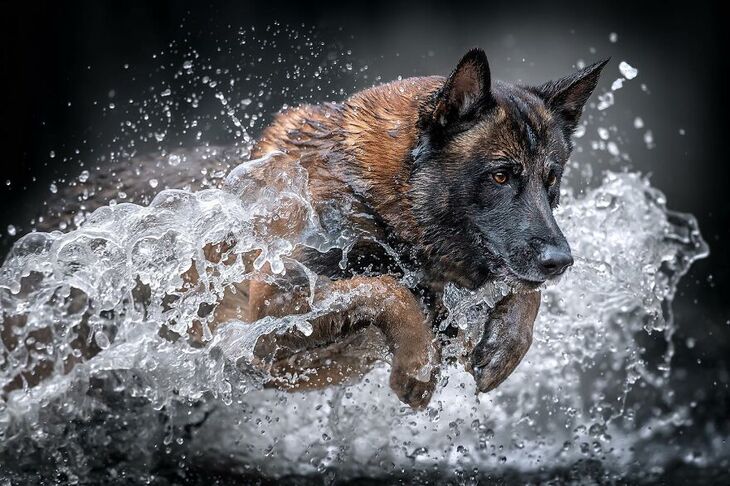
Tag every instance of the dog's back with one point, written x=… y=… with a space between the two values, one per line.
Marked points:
x=359 y=147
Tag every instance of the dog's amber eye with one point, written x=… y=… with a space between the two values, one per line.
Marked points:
x=500 y=177
x=552 y=179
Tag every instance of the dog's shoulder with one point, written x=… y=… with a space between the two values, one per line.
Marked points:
x=301 y=129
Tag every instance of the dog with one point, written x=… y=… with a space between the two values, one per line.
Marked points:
x=457 y=176
x=460 y=176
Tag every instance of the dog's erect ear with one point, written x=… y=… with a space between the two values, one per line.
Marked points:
x=566 y=96
x=466 y=92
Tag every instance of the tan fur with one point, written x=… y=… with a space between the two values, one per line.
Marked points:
x=357 y=148
x=359 y=145
x=354 y=152
x=360 y=148
x=404 y=164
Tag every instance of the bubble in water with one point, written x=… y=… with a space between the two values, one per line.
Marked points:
x=101 y=340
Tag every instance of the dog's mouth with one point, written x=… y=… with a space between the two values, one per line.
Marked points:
x=520 y=282
x=530 y=280
x=514 y=278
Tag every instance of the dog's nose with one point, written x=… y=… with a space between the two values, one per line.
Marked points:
x=554 y=260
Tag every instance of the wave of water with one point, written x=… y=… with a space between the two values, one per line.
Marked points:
x=144 y=394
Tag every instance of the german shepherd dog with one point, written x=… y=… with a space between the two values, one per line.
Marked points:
x=459 y=176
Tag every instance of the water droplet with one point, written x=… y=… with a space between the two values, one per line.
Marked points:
x=627 y=70
x=649 y=139
x=605 y=100
x=618 y=84
x=613 y=149
x=101 y=339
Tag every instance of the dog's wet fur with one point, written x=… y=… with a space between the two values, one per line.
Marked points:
x=459 y=175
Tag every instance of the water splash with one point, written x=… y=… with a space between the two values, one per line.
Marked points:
x=110 y=283
x=103 y=312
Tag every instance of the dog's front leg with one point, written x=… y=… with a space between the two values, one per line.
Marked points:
x=378 y=301
x=416 y=352
x=393 y=309
x=506 y=339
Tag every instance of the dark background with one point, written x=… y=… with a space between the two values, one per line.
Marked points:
x=58 y=56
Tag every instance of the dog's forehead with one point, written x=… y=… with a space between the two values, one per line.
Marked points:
x=520 y=128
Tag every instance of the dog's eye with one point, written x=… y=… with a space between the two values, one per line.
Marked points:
x=552 y=179
x=500 y=177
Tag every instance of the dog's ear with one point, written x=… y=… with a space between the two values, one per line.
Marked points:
x=466 y=92
x=566 y=96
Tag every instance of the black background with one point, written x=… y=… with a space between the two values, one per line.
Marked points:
x=56 y=53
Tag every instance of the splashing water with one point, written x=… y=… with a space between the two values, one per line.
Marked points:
x=588 y=355
x=102 y=312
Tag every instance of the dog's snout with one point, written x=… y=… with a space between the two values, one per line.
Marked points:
x=554 y=260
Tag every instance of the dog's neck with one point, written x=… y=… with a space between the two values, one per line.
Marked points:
x=381 y=133
x=383 y=137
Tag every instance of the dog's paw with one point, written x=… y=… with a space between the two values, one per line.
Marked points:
x=492 y=362
x=412 y=391
x=415 y=373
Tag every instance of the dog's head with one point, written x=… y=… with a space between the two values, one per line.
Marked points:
x=487 y=171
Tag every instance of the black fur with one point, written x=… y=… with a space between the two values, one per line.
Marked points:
x=477 y=229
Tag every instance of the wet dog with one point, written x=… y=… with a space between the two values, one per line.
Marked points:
x=455 y=178
x=460 y=176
